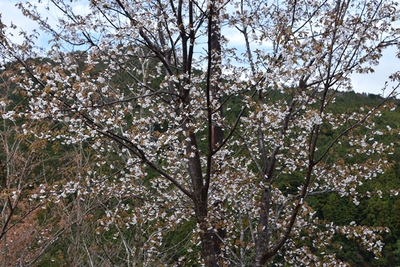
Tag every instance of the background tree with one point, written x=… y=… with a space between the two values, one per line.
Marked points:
x=150 y=128
x=22 y=161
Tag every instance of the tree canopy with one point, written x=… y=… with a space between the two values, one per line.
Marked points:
x=146 y=139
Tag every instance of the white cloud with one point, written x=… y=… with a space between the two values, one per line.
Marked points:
x=81 y=8
x=374 y=82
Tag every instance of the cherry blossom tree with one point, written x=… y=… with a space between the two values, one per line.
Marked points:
x=186 y=131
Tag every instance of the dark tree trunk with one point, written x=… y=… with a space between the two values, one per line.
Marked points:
x=263 y=234
x=207 y=238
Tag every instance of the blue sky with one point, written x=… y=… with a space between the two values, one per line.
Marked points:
x=369 y=83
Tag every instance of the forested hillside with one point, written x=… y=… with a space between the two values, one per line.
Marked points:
x=189 y=133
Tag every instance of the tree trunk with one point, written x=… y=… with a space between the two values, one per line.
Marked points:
x=206 y=234
x=207 y=245
x=263 y=234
